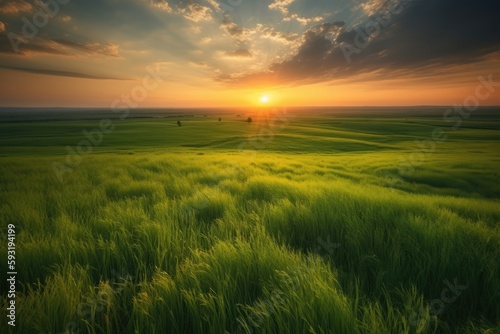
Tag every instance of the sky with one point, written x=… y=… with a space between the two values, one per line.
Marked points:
x=232 y=53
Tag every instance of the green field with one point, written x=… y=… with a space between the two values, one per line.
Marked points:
x=303 y=221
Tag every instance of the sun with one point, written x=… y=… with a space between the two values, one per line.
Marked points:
x=264 y=99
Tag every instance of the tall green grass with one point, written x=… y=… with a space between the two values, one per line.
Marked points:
x=228 y=242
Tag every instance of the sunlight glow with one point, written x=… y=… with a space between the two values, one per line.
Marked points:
x=264 y=99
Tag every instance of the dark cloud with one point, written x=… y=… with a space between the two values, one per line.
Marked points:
x=240 y=53
x=55 y=46
x=107 y=49
x=398 y=38
x=25 y=45
x=15 y=7
x=269 y=32
x=59 y=73
x=234 y=30
x=446 y=31
x=310 y=61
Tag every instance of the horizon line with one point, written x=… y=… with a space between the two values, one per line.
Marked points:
x=249 y=107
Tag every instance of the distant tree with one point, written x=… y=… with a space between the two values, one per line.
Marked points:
x=249 y=119
x=220 y=119
x=179 y=123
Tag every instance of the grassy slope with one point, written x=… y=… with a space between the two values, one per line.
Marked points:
x=167 y=229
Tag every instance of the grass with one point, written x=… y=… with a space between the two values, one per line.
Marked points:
x=301 y=223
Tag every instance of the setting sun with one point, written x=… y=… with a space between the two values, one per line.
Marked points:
x=264 y=99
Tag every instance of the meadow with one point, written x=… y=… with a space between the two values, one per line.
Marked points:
x=303 y=221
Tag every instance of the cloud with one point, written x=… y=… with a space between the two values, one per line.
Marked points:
x=65 y=47
x=281 y=5
x=435 y=31
x=199 y=64
x=371 y=7
x=35 y=45
x=2 y=27
x=205 y=40
x=60 y=73
x=214 y=4
x=196 y=12
x=418 y=34
x=94 y=48
x=162 y=5
x=66 y=18
x=15 y=7
x=240 y=53
x=235 y=31
x=303 y=20
x=269 y=32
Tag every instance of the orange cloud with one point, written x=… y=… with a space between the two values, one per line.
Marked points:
x=15 y=7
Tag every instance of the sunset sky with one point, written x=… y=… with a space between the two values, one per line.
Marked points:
x=227 y=53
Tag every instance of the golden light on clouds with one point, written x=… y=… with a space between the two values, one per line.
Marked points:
x=282 y=53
